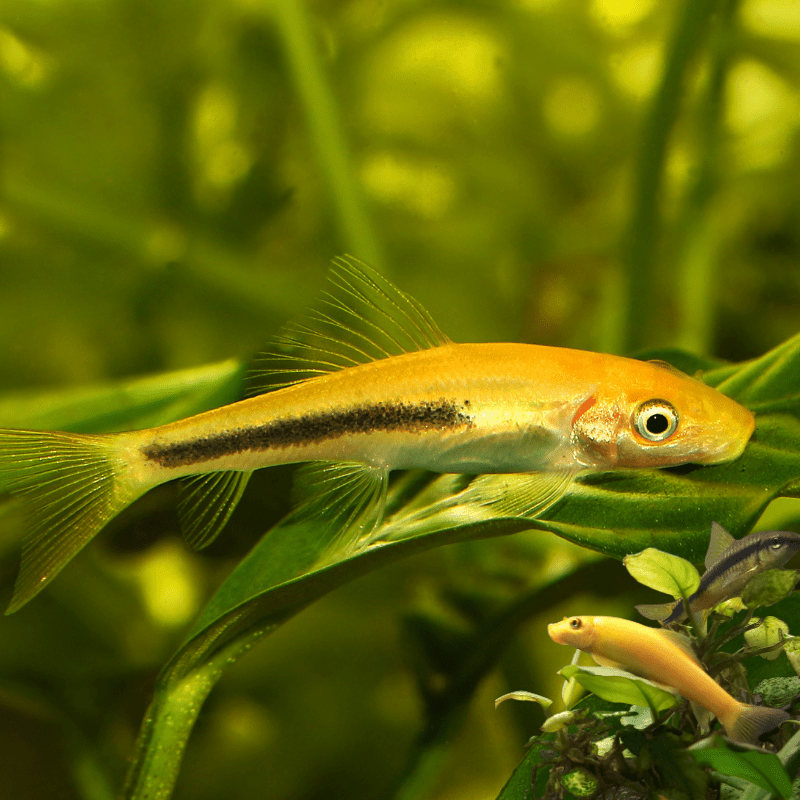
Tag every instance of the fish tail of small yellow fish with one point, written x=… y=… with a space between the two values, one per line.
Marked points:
x=745 y=723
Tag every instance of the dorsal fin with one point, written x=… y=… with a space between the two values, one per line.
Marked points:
x=719 y=542
x=679 y=640
x=361 y=317
x=659 y=362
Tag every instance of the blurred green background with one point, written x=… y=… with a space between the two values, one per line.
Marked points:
x=174 y=178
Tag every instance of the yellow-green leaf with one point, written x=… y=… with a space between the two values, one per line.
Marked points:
x=663 y=572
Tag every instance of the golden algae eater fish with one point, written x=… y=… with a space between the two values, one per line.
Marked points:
x=368 y=384
x=667 y=658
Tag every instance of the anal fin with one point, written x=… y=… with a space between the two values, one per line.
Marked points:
x=207 y=503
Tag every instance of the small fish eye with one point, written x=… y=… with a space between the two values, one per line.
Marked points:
x=776 y=543
x=656 y=420
x=575 y=623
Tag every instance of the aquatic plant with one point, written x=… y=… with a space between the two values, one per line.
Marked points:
x=632 y=738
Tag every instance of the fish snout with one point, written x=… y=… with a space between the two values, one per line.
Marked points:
x=731 y=432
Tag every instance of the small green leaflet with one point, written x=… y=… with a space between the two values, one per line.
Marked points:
x=663 y=572
x=544 y=702
x=769 y=587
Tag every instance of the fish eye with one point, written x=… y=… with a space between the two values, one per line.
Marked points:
x=776 y=543
x=656 y=420
x=575 y=623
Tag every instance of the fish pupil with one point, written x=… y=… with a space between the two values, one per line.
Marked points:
x=657 y=423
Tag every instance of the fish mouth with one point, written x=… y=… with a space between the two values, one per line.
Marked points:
x=552 y=632
x=735 y=446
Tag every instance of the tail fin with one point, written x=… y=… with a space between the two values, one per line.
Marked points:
x=746 y=723
x=658 y=611
x=70 y=490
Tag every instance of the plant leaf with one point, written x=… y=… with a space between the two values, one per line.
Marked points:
x=618 y=686
x=663 y=572
x=760 y=768
x=127 y=404
x=769 y=587
x=544 y=702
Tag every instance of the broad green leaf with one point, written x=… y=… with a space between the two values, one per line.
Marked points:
x=676 y=768
x=663 y=572
x=760 y=768
x=128 y=404
x=618 y=686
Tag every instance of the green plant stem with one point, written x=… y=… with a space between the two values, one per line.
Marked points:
x=641 y=268
x=727 y=637
x=169 y=722
x=326 y=130
x=698 y=230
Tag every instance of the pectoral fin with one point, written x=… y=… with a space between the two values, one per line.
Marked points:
x=680 y=641
x=520 y=494
x=603 y=661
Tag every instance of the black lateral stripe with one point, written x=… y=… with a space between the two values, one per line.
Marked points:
x=725 y=565
x=312 y=428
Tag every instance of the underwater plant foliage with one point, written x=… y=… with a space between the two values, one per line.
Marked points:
x=631 y=738
x=174 y=179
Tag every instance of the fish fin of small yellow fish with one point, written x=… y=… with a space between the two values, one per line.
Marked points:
x=347 y=499
x=604 y=661
x=656 y=611
x=658 y=362
x=361 y=317
x=70 y=488
x=680 y=641
x=719 y=542
x=206 y=504
x=520 y=494
x=745 y=723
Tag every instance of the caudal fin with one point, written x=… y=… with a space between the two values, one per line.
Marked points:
x=661 y=612
x=69 y=489
x=746 y=723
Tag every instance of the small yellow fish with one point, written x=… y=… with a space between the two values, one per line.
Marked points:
x=664 y=657
x=373 y=385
